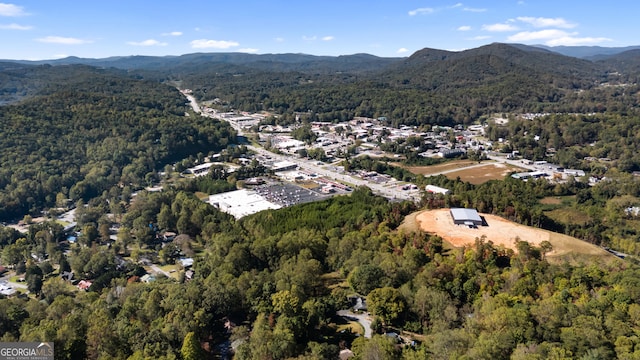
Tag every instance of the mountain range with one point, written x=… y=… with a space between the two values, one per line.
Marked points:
x=431 y=85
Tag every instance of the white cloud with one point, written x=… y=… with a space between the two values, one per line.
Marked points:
x=456 y=5
x=11 y=10
x=421 y=11
x=541 y=22
x=279 y=39
x=556 y=37
x=477 y=10
x=149 y=42
x=464 y=28
x=539 y=35
x=173 y=33
x=63 y=40
x=248 y=50
x=213 y=44
x=499 y=27
x=480 y=37
x=577 y=41
x=328 y=38
x=402 y=50
x=309 y=38
x=15 y=27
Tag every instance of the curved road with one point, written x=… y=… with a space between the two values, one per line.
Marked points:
x=363 y=319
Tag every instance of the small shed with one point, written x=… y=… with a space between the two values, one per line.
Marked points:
x=469 y=217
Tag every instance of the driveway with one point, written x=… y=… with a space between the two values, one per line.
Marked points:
x=363 y=319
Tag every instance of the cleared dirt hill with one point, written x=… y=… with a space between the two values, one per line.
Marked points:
x=501 y=232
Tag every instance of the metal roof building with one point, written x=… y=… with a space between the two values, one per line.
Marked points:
x=465 y=216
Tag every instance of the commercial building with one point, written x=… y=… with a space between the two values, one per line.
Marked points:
x=241 y=203
x=469 y=217
x=436 y=190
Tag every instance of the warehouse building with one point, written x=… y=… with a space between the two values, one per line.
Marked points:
x=437 y=190
x=469 y=217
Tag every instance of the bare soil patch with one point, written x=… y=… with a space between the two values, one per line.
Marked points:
x=551 y=200
x=499 y=231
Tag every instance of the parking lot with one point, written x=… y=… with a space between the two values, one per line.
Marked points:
x=287 y=194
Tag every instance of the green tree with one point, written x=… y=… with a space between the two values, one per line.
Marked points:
x=366 y=278
x=191 y=349
x=386 y=303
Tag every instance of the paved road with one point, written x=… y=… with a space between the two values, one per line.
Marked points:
x=193 y=103
x=157 y=270
x=517 y=163
x=363 y=319
x=389 y=191
x=5 y=279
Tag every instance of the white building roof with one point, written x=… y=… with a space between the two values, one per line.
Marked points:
x=241 y=203
x=465 y=214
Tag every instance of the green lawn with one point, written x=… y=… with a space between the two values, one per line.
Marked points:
x=568 y=215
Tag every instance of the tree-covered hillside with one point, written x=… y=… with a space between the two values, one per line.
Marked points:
x=430 y=87
x=84 y=130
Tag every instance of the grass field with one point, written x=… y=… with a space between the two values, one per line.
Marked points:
x=201 y=195
x=568 y=215
x=435 y=169
x=482 y=174
x=468 y=170
x=352 y=326
x=551 y=200
x=308 y=184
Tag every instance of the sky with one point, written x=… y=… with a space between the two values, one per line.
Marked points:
x=50 y=29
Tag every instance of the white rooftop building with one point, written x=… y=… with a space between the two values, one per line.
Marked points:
x=241 y=203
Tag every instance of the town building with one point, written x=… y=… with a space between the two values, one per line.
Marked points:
x=436 y=189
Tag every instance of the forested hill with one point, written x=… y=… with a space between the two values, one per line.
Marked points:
x=430 y=87
x=264 y=62
x=83 y=130
x=20 y=81
x=433 y=69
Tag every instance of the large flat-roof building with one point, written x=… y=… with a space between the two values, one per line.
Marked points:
x=241 y=203
x=469 y=217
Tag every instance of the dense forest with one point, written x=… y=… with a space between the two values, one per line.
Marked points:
x=77 y=138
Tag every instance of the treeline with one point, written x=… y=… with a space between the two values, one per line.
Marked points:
x=78 y=139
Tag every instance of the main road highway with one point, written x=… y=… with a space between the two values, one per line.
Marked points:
x=392 y=192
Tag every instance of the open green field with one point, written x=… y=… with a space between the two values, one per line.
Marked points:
x=470 y=171
x=481 y=174
x=568 y=215
x=438 y=168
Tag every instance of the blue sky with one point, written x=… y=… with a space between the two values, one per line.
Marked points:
x=48 y=29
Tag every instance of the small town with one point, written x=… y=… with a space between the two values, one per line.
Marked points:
x=295 y=178
x=312 y=180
